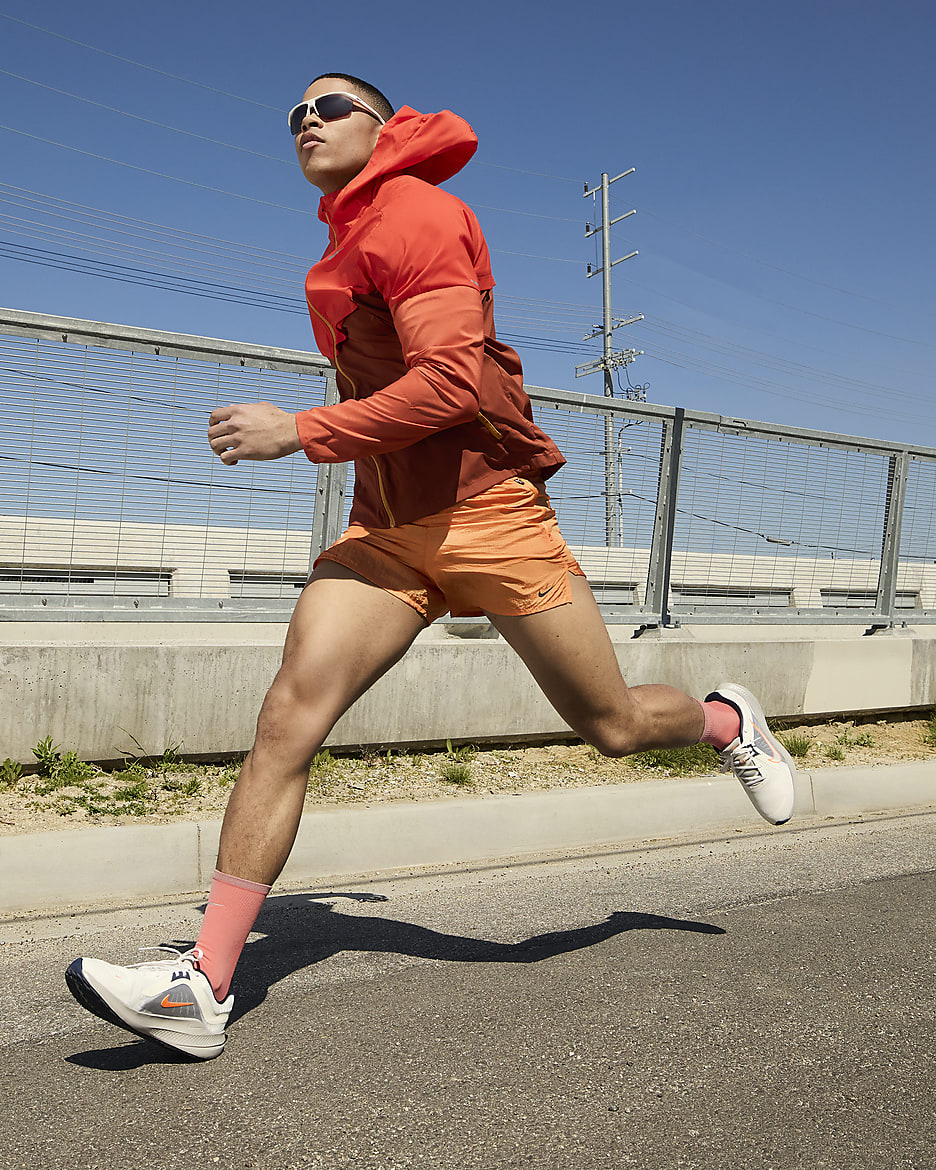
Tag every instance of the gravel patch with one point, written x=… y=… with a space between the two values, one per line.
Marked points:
x=173 y=790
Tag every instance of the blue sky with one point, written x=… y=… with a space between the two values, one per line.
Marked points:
x=784 y=177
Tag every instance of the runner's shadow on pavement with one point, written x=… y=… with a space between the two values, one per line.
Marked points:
x=304 y=929
x=300 y=931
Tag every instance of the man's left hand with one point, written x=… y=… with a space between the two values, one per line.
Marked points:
x=252 y=430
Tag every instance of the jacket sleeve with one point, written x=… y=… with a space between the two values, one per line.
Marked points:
x=421 y=261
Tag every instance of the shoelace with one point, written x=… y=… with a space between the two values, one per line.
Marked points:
x=190 y=956
x=740 y=760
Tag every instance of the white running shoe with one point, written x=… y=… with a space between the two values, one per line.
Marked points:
x=169 y=1001
x=757 y=758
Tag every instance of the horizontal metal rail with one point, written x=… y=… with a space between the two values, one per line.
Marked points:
x=44 y=327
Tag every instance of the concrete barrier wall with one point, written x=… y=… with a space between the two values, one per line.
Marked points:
x=93 y=686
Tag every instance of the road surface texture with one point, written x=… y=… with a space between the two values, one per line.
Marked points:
x=766 y=1001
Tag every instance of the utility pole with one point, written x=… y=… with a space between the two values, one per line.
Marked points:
x=610 y=358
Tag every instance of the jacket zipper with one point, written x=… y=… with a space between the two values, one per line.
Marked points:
x=350 y=381
x=488 y=425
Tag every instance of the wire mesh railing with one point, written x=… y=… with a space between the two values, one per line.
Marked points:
x=113 y=507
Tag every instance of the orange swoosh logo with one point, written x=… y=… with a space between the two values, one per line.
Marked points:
x=166 y=1002
x=773 y=754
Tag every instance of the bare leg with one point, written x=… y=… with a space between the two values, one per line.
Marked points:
x=345 y=633
x=570 y=655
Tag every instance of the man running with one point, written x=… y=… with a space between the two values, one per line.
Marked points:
x=450 y=514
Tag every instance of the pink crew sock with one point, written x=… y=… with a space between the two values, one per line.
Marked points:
x=233 y=906
x=722 y=724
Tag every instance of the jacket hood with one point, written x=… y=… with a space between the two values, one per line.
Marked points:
x=432 y=147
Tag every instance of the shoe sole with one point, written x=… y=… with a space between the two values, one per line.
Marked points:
x=735 y=689
x=93 y=1002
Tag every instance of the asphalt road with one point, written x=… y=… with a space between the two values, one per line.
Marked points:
x=762 y=1002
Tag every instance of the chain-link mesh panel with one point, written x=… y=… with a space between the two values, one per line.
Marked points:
x=606 y=506
x=916 y=574
x=765 y=522
x=109 y=486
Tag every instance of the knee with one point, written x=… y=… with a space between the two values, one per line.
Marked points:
x=291 y=725
x=616 y=733
x=614 y=740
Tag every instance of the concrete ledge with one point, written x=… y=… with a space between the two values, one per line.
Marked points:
x=845 y=791
x=71 y=867
x=91 y=689
x=47 y=870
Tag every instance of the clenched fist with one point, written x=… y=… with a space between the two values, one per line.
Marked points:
x=252 y=430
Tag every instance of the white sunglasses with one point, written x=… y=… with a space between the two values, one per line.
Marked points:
x=328 y=107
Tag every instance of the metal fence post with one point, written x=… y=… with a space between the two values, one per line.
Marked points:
x=664 y=524
x=898 y=466
x=612 y=503
x=330 y=486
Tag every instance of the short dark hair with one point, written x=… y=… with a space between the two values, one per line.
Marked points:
x=369 y=92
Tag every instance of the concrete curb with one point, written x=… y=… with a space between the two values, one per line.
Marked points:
x=48 y=870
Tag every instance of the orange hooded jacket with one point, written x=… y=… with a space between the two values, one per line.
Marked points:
x=432 y=406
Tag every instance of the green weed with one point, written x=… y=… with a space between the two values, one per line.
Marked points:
x=59 y=771
x=866 y=739
x=178 y=786
x=456 y=772
x=684 y=761
x=131 y=774
x=460 y=755
x=74 y=771
x=10 y=772
x=322 y=768
x=323 y=761
x=171 y=761
x=796 y=745
x=47 y=756
x=48 y=785
x=834 y=752
x=929 y=732
x=230 y=772
x=133 y=790
x=168 y=761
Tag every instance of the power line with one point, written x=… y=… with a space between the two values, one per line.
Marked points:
x=149 y=121
x=758 y=260
x=531 y=255
x=138 y=64
x=774 y=361
x=127 y=274
x=102 y=246
x=100 y=213
x=206 y=290
x=784 y=305
x=159 y=174
x=776 y=389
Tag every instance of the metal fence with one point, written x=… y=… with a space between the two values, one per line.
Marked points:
x=113 y=508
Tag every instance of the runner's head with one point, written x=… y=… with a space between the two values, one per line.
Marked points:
x=334 y=144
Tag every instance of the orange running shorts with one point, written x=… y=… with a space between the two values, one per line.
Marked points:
x=498 y=552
